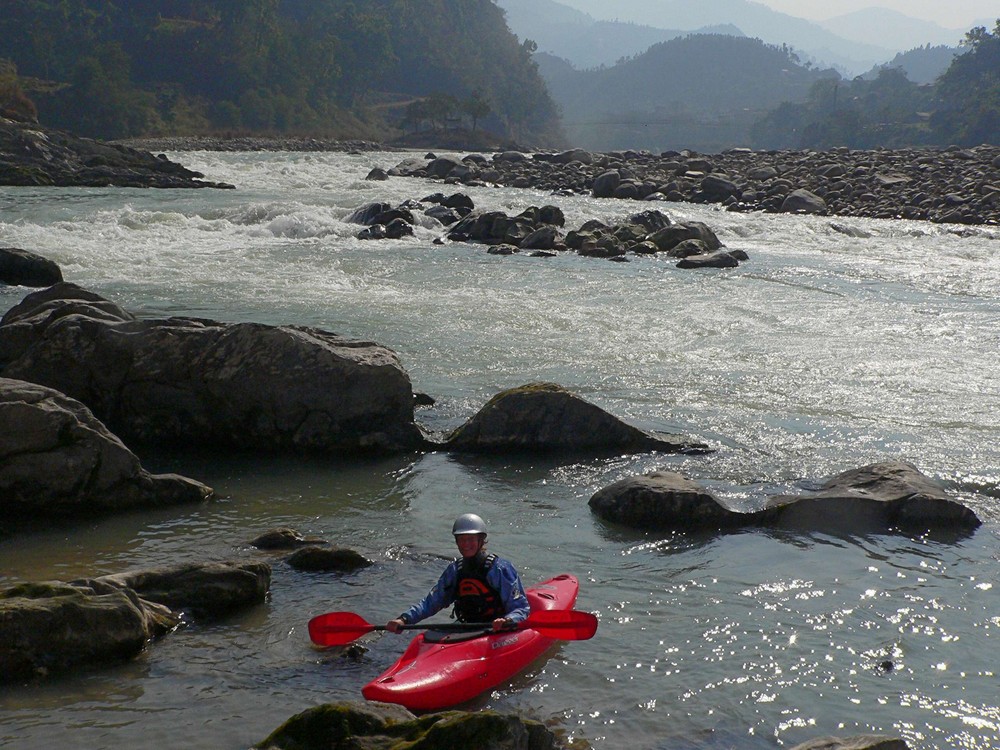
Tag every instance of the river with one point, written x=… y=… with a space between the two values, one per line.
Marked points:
x=841 y=342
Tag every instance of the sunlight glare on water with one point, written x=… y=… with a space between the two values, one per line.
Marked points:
x=841 y=342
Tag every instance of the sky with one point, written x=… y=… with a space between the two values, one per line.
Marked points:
x=951 y=14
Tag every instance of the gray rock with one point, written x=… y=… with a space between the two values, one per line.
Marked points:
x=380 y=726
x=22 y=268
x=803 y=201
x=543 y=417
x=543 y=238
x=864 y=742
x=881 y=497
x=893 y=494
x=328 y=559
x=283 y=539
x=573 y=155
x=665 y=500
x=199 y=382
x=31 y=154
x=204 y=590
x=606 y=184
x=48 y=628
x=718 y=259
x=57 y=459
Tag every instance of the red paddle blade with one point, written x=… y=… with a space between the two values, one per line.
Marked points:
x=564 y=624
x=337 y=628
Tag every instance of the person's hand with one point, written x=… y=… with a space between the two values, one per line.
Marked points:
x=502 y=623
x=395 y=626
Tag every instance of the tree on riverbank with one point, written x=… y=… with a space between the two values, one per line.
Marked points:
x=968 y=109
x=962 y=107
x=268 y=66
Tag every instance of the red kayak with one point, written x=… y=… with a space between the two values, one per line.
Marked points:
x=439 y=670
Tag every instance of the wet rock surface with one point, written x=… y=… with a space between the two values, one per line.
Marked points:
x=950 y=185
x=33 y=155
x=52 y=627
x=57 y=459
x=544 y=417
x=188 y=381
x=884 y=497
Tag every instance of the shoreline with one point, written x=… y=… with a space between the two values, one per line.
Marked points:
x=252 y=144
x=949 y=185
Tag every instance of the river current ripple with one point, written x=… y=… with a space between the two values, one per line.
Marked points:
x=841 y=342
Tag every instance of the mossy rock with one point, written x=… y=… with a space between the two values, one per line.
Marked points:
x=380 y=726
x=547 y=418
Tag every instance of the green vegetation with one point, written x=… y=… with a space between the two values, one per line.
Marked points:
x=961 y=107
x=340 y=68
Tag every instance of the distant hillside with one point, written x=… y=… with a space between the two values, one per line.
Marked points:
x=921 y=65
x=347 y=68
x=585 y=42
x=882 y=27
x=701 y=91
x=753 y=19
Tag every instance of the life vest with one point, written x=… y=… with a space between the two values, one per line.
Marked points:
x=475 y=599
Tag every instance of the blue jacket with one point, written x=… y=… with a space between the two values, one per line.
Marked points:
x=502 y=576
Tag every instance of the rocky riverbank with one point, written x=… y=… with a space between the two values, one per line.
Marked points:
x=251 y=143
x=959 y=186
x=35 y=156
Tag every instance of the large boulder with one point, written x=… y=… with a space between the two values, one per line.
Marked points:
x=34 y=155
x=195 y=382
x=56 y=459
x=202 y=590
x=882 y=497
x=863 y=742
x=803 y=201
x=21 y=268
x=892 y=494
x=544 y=417
x=54 y=627
x=665 y=500
x=381 y=726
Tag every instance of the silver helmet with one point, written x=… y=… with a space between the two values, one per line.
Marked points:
x=468 y=523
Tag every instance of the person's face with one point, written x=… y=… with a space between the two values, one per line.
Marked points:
x=468 y=544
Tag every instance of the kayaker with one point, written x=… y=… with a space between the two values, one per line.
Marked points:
x=483 y=587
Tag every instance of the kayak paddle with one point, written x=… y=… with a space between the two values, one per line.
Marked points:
x=340 y=628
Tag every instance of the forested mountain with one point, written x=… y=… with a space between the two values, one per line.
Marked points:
x=962 y=107
x=701 y=91
x=584 y=41
x=754 y=19
x=922 y=64
x=343 y=68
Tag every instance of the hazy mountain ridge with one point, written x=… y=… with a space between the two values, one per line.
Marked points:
x=583 y=40
x=886 y=27
x=811 y=40
x=693 y=91
x=922 y=64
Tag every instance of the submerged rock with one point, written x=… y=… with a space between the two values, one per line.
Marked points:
x=53 y=627
x=886 y=495
x=328 y=559
x=31 y=154
x=22 y=268
x=193 y=382
x=863 y=742
x=544 y=417
x=57 y=459
x=283 y=539
x=381 y=726
x=882 y=497
x=665 y=500
x=202 y=590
